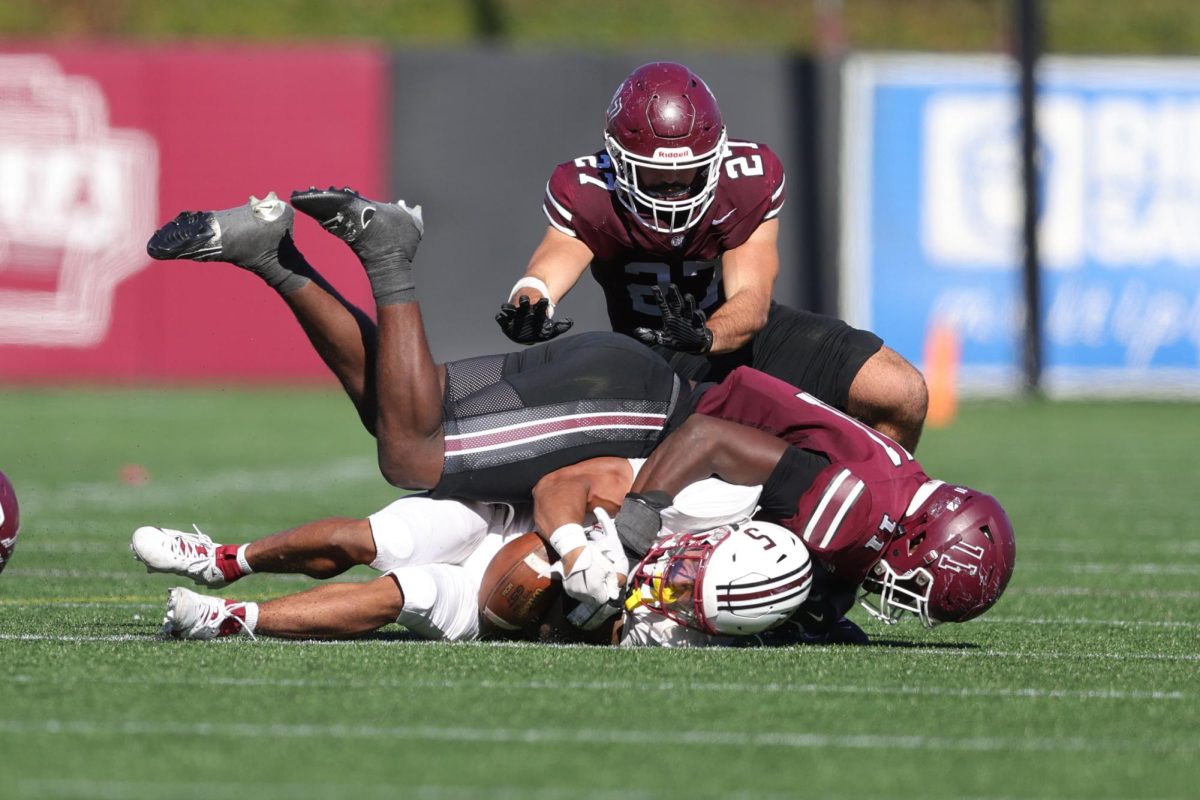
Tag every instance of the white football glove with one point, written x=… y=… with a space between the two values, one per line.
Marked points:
x=605 y=537
x=593 y=579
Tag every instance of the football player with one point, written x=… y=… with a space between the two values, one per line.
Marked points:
x=679 y=223
x=714 y=577
x=859 y=501
x=485 y=428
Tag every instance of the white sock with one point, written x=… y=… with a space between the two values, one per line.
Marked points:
x=244 y=565
x=251 y=621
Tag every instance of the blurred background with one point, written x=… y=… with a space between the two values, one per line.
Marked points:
x=899 y=124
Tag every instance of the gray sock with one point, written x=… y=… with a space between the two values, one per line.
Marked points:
x=258 y=238
x=386 y=248
x=384 y=236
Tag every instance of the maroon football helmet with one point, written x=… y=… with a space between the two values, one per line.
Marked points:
x=950 y=562
x=10 y=520
x=666 y=139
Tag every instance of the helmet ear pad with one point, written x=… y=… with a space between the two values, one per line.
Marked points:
x=663 y=118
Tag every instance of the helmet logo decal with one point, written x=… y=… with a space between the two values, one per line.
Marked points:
x=614 y=107
x=673 y=153
x=970 y=550
x=753 y=533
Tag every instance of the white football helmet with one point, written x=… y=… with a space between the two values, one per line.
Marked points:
x=733 y=580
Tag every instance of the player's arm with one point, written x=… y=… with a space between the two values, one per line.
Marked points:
x=748 y=272
x=593 y=565
x=566 y=495
x=704 y=446
x=557 y=263
x=553 y=269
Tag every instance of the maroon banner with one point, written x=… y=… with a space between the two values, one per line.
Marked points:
x=101 y=145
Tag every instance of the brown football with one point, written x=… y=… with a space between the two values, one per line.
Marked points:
x=516 y=589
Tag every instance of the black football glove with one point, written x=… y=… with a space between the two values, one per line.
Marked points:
x=527 y=323
x=683 y=325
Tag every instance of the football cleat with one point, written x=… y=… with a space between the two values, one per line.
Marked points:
x=192 y=555
x=248 y=235
x=792 y=633
x=844 y=631
x=197 y=616
x=370 y=228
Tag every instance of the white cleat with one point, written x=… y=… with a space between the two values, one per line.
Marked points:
x=191 y=555
x=197 y=616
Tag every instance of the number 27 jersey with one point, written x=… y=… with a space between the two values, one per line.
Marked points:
x=629 y=258
x=850 y=510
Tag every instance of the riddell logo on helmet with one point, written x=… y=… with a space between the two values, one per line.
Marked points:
x=673 y=153
x=81 y=197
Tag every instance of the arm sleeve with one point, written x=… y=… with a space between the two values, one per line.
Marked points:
x=791 y=477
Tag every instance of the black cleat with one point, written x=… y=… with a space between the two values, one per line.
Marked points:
x=248 y=235
x=844 y=631
x=189 y=236
x=373 y=230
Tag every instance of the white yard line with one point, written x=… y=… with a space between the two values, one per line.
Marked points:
x=1013 y=591
x=116 y=496
x=541 y=737
x=933 y=650
x=78 y=604
x=1071 y=547
x=1067 y=621
x=1113 y=568
x=1092 y=591
x=230 y=787
x=611 y=686
x=135 y=571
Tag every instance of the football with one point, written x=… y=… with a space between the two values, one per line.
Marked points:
x=516 y=589
x=10 y=520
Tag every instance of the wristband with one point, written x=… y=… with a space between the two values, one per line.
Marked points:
x=567 y=538
x=530 y=282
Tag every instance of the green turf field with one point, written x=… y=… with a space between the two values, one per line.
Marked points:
x=1084 y=682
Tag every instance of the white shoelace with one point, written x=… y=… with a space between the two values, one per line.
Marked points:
x=229 y=609
x=190 y=548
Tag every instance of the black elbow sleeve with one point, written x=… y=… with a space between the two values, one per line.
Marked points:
x=792 y=476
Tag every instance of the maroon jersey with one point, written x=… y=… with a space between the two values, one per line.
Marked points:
x=629 y=258
x=850 y=510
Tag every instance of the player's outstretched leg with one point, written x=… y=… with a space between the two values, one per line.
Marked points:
x=334 y=610
x=384 y=236
x=256 y=236
x=321 y=549
x=408 y=384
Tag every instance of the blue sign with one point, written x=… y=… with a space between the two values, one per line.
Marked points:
x=932 y=212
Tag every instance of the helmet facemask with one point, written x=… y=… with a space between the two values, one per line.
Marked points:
x=888 y=595
x=660 y=214
x=668 y=580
